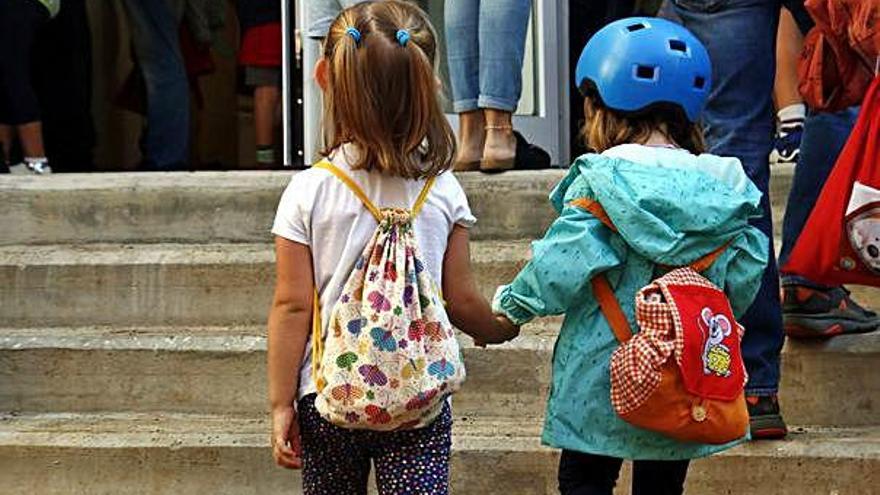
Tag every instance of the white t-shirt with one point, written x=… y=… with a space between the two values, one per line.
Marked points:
x=318 y=210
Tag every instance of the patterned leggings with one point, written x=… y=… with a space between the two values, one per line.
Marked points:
x=337 y=460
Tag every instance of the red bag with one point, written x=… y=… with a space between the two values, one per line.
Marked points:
x=840 y=53
x=840 y=243
x=682 y=375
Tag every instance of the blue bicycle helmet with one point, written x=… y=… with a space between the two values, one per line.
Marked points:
x=641 y=61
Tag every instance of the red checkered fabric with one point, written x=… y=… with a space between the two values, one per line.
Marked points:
x=636 y=364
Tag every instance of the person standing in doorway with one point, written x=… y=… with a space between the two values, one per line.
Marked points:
x=21 y=21
x=155 y=26
x=485 y=46
x=260 y=55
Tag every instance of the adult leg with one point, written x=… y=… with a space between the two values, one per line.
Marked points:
x=463 y=55
x=587 y=474
x=741 y=37
x=414 y=461
x=503 y=25
x=63 y=77
x=659 y=477
x=813 y=310
x=335 y=460
x=154 y=27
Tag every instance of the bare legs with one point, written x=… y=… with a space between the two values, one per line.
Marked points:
x=30 y=135
x=789 y=43
x=471 y=137
x=266 y=100
x=5 y=142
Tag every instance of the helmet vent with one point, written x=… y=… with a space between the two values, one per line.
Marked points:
x=699 y=82
x=635 y=27
x=646 y=72
x=678 y=46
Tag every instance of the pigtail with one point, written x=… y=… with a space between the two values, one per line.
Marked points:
x=383 y=91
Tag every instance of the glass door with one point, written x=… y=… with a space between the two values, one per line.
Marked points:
x=543 y=112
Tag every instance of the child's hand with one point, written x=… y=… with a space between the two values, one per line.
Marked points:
x=286 y=446
x=508 y=329
x=503 y=331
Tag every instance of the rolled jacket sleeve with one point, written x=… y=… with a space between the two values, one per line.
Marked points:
x=575 y=249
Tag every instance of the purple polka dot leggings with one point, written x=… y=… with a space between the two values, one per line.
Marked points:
x=337 y=460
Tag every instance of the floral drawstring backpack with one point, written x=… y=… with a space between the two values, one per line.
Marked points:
x=390 y=357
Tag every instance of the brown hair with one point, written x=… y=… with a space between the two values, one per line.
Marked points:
x=382 y=93
x=605 y=127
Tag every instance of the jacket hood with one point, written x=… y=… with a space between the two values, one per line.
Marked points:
x=672 y=208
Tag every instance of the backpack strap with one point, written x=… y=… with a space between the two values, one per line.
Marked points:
x=317 y=338
x=356 y=189
x=602 y=291
x=317 y=326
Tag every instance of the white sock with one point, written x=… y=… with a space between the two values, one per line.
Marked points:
x=796 y=112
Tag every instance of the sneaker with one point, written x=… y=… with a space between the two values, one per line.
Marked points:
x=787 y=146
x=820 y=314
x=765 y=420
x=38 y=166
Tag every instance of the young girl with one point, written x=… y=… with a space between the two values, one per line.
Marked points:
x=387 y=132
x=645 y=82
x=260 y=54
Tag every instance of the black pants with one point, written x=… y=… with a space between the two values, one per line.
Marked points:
x=20 y=21
x=63 y=82
x=587 y=474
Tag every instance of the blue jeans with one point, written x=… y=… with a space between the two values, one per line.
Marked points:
x=485 y=42
x=741 y=38
x=154 y=28
x=823 y=140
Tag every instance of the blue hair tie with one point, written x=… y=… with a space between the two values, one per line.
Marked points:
x=354 y=33
x=402 y=36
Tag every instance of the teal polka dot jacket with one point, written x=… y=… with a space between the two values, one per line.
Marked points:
x=670 y=209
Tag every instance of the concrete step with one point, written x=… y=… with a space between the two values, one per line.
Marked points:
x=220 y=206
x=179 y=284
x=239 y=206
x=163 y=454
x=222 y=370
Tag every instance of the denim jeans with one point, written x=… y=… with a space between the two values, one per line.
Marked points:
x=485 y=43
x=154 y=28
x=822 y=141
x=741 y=38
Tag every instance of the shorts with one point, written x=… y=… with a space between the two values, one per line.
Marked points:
x=262 y=76
x=261 y=46
x=20 y=22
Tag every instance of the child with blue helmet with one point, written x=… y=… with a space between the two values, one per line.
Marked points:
x=645 y=82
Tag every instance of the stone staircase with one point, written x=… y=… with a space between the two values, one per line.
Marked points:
x=132 y=350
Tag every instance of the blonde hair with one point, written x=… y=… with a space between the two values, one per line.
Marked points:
x=605 y=127
x=382 y=91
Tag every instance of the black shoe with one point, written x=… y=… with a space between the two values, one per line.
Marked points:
x=816 y=313
x=765 y=420
x=529 y=156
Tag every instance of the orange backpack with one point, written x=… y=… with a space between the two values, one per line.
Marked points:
x=682 y=375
